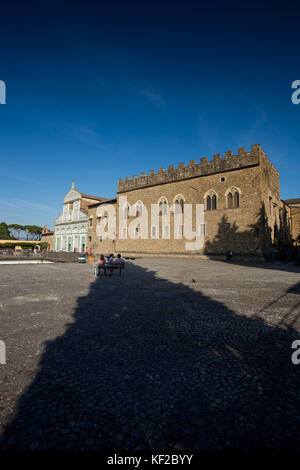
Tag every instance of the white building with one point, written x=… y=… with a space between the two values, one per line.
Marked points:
x=71 y=226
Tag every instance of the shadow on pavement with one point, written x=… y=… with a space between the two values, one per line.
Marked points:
x=151 y=364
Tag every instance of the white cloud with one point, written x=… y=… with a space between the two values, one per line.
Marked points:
x=22 y=178
x=22 y=204
x=153 y=97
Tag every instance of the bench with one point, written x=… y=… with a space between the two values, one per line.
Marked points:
x=108 y=266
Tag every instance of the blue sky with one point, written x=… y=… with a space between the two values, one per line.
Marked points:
x=99 y=93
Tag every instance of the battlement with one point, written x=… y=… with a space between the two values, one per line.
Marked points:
x=205 y=167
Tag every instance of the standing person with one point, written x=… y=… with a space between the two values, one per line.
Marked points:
x=272 y=255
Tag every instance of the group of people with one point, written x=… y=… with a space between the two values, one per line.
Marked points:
x=103 y=264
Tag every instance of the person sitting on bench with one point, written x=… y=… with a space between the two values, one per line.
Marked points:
x=101 y=265
x=119 y=260
x=110 y=260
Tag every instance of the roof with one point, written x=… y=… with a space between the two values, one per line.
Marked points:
x=93 y=197
x=292 y=201
x=18 y=242
x=102 y=202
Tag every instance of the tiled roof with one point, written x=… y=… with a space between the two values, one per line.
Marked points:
x=292 y=201
x=93 y=197
x=94 y=204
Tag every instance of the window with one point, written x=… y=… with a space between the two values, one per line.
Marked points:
x=236 y=199
x=210 y=200
x=139 y=209
x=222 y=179
x=179 y=205
x=233 y=199
x=163 y=207
x=137 y=232
x=153 y=231
x=91 y=222
x=214 y=202
x=58 y=243
x=166 y=231
x=208 y=203
x=270 y=205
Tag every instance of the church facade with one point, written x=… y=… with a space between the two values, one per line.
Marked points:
x=71 y=227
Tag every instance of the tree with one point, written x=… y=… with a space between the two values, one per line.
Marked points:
x=4 y=232
x=34 y=232
x=44 y=246
x=27 y=232
x=15 y=230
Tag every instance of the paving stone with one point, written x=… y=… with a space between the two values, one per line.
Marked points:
x=193 y=366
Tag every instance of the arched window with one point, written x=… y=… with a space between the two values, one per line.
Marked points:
x=210 y=198
x=139 y=208
x=214 y=202
x=236 y=199
x=163 y=207
x=233 y=198
x=179 y=206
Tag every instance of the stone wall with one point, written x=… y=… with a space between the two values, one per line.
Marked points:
x=98 y=246
x=218 y=165
x=295 y=215
x=246 y=230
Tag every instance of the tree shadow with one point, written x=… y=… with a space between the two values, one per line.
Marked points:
x=151 y=364
x=253 y=246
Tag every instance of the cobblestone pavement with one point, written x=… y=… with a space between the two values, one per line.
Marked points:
x=175 y=354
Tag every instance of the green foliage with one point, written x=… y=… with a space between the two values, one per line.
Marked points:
x=34 y=232
x=4 y=232
x=15 y=230
x=44 y=245
x=31 y=232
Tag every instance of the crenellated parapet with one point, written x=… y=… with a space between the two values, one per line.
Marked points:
x=205 y=167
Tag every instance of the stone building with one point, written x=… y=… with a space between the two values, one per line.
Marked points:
x=294 y=205
x=71 y=226
x=243 y=211
x=97 y=243
x=48 y=237
x=240 y=195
